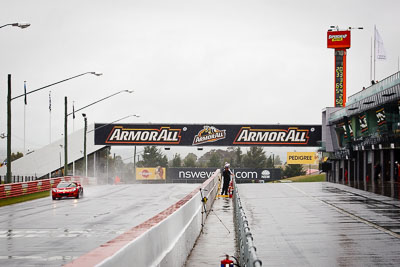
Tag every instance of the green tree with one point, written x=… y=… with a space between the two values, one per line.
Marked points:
x=270 y=162
x=224 y=156
x=176 y=161
x=214 y=161
x=238 y=158
x=255 y=158
x=153 y=157
x=190 y=160
x=278 y=160
x=293 y=170
x=15 y=156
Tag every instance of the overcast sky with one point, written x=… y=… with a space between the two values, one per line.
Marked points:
x=234 y=62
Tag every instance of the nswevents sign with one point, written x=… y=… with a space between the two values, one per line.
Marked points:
x=302 y=158
x=201 y=174
x=207 y=135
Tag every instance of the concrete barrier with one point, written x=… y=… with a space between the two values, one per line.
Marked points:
x=164 y=240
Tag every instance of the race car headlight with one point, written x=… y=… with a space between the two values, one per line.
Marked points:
x=54 y=190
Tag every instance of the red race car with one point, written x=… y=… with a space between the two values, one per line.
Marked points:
x=67 y=189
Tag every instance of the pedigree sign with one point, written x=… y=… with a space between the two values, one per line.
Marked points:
x=302 y=158
x=338 y=39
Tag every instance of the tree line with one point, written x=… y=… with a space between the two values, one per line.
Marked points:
x=255 y=157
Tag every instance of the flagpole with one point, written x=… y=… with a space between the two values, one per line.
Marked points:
x=49 y=117
x=25 y=117
x=24 y=127
x=73 y=117
x=374 y=51
x=370 y=71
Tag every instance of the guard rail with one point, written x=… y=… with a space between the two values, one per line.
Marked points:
x=244 y=238
x=25 y=188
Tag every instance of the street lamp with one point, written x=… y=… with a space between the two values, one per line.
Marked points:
x=21 y=25
x=66 y=114
x=9 y=99
x=133 y=115
x=84 y=144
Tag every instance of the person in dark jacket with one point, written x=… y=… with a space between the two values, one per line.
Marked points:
x=226 y=174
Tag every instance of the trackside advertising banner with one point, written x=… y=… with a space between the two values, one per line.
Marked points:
x=243 y=175
x=150 y=173
x=207 y=135
x=302 y=158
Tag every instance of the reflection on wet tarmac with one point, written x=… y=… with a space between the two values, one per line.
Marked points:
x=322 y=224
x=44 y=232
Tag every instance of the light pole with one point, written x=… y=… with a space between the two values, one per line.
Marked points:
x=21 y=25
x=84 y=144
x=133 y=115
x=66 y=114
x=9 y=99
x=273 y=160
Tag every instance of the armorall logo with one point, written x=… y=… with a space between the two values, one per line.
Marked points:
x=209 y=134
x=290 y=136
x=163 y=135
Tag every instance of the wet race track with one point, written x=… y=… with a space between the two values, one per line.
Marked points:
x=322 y=224
x=44 y=232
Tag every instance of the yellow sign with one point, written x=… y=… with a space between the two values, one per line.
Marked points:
x=150 y=173
x=302 y=158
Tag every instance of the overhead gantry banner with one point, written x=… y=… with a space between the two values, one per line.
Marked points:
x=207 y=135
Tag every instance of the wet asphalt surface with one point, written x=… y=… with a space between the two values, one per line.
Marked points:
x=322 y=224
x=44 y=232
x=217 y=238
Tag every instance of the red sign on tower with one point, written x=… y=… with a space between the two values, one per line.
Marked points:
x=340 y=41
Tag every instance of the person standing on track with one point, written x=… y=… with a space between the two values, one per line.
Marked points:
x=226 y=174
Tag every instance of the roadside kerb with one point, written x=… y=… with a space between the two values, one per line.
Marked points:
x=164 y=240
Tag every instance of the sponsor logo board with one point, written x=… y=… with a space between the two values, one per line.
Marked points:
x=157 y=173
x=207 y=135
x=248 y=136
x=202 y=174
x=162 y=135
x=338 y=39
x=302 y=158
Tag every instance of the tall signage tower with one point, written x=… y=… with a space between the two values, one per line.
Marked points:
x=340 y=41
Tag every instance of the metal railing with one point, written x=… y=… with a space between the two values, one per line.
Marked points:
x=388 y=82
x=244 y=238
x=18 y=178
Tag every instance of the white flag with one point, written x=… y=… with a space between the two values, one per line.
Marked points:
x=380 y=52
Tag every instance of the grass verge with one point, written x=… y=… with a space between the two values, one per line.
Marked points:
x=307 y=178
x=13 y=200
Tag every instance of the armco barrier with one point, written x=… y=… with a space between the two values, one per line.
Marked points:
x=25 y=188
x=244 y=238
x=164 y=240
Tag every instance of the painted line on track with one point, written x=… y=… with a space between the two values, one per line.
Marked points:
x=343 y=211
x=111 y=247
